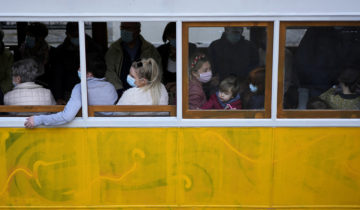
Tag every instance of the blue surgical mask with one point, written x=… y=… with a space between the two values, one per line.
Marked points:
x=14 y=83
x=75 y=41
x=130 y=80
x=30 y=41
x=172 y=42
x=253 y=88
x=79 y=74
x=233 y=37
x=126 y=36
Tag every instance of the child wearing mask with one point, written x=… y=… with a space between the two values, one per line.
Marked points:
x=254 y=96
x=199 y=73
x=227 y=97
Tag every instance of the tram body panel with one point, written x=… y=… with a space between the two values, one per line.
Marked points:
x=145 y=167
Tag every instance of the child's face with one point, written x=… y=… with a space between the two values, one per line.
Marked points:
x=225 y=96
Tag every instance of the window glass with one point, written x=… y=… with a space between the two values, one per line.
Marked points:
x=34 y=69
x=140 y=69
x=321 y=68
x=228 y=67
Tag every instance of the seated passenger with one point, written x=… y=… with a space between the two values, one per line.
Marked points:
x=346 y=95
x=100 y=92
x=199 y=73
x=6 y=61
x=26 y=92
x=147 y=89
x=254 y=95
x=227 y=97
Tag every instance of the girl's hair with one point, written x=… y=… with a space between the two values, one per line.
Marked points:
x=196 y=61
x=351 y=78
x=231 y=84
x=26 y=69
x=170 y=29
x=257 y=78
x=148 y=69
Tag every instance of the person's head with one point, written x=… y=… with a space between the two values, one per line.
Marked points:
x=95 y=66
x=35 y=32
x=316 y=103
x=350 y=78
x=200 y=68
x=72 y=33
x=130 y=31
x=25 y=70
x=256 y=81
x=233 y=34
x=146 y=74
x=170 y=34
x=228 y=88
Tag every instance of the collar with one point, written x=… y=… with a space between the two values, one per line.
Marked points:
x=223 y=105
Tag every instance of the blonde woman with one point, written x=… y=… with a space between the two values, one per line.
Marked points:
x=147 y=89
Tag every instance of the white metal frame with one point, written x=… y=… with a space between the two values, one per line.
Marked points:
x=178 y=121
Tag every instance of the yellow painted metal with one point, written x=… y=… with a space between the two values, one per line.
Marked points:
x=182 y=168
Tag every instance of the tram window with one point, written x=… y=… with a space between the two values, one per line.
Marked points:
x=38 y=74
x=319 y=69
x=227 y=70
x=140 y=67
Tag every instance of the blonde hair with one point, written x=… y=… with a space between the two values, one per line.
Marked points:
x=150 y=71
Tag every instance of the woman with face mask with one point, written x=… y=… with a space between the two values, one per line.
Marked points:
x=199 y=73
x=146 y=87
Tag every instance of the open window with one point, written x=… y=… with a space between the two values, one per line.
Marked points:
x=227 y=69
x=319 y=70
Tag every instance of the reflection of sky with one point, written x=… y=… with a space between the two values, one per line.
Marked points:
x=294 y=36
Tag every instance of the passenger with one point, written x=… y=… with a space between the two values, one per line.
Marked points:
x=67 y=62
x=227 y=97
x=232 y=54
x=122 y=53
x=199 y=73
x=36 y=47
x=6 y=61
x=168 y=59
x=254 y=95
x=346 y=95
x=100 y=92
x=26 y=92
x=316 y=103
x=146 y=87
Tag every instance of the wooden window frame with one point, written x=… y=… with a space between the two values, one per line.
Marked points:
x=249 y=113
x=133 y=108
x=293 y=113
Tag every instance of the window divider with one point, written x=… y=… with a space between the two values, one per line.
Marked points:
x=84 y=100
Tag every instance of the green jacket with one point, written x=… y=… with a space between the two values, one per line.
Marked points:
x=114 y=59
x=6 y=61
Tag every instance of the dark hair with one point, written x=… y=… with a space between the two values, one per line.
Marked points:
x=257 y=78
x=96 y=65
x=170 y=28
x=317 y=103
x=2 y=45
x=231 y=84
x=72 y=28
x=350 y=77
x=38 y=30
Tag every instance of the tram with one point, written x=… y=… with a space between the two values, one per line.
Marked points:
x=282 y=155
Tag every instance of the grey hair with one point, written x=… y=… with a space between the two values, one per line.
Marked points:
x=26 y=69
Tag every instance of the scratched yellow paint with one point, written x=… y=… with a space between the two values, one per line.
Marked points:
x=180 y=168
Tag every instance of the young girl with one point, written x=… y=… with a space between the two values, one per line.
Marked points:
x=147 y=89
x=199 y=73
x=254 y=95
x=227 y=97
x=346 y=95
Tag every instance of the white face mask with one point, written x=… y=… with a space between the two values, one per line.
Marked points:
x=205 y=77
x=14 y=83
x=253 y=88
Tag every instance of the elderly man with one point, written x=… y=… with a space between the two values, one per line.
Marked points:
x=122 y=53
